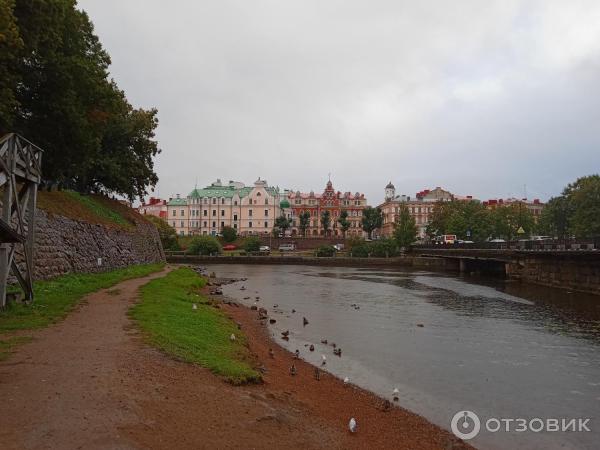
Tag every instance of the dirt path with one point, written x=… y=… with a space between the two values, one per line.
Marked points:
x=90 y=382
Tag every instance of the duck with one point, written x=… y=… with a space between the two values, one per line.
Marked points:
x=243 y=288
x=304 y=321
x=311 y=348
x=324 y=341
x=352 y=425
x=337 y=351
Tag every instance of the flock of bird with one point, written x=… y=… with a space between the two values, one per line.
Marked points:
x=352 y=424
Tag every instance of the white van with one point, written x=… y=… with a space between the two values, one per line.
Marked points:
x=290 y=247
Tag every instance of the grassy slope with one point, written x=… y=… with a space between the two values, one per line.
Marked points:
x=91 y=208
x=199 y=336
x=55 y=298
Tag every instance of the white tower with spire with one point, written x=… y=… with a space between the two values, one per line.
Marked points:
x=390 y=191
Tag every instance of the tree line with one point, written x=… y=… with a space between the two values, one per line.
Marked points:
x=55 y=90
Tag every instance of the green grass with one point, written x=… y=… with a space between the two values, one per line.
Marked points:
x=100 y=209
x=200 y=336
x=55 y=298
x=7 y=345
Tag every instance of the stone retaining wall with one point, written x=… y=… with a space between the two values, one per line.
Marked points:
x=64 y=245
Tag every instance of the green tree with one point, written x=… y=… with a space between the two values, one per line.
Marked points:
x=372 y=219
x=283 y=223
x=63 y=100
x=229 y=234
x=204 y=245
x=326 y=221
x=303 y=222
x=344 y=222
x=555 y=217
x=252 y=244
x=11 y=45
x=506 y=221
x=168 y=235
x=405 y=228
x=583 y=198
x=325 y=251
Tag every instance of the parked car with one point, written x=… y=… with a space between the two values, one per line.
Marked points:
x=339 y=247
x=446 y=239
x=497 y=240
x=229 y=247
x=289 y=247
x=264 y=249
x=460 y=241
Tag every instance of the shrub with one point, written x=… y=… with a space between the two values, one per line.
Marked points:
x=360 y=251
x=229 y=234
x=204 y=245
x=325 y=251
x=354 y=241
x=383 y=248
x=252 y=244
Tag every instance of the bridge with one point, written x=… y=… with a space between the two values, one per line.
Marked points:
x=576 y=269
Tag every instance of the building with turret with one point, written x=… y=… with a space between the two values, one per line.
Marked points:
x=329 y=200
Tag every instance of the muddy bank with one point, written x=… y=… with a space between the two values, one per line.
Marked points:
x=380 y=425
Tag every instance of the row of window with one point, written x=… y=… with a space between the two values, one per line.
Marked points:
x=196 y=224
x=196 y=201
x=196 y=213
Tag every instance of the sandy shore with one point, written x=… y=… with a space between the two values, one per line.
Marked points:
x=331 y=401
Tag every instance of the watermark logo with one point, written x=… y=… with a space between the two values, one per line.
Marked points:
x=465 y=425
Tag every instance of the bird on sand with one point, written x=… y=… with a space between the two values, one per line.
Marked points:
x=324 y=360
x=352 y=425
x=311 y=348
x=346 y=380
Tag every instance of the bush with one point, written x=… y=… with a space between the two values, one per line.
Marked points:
x=325 y=251
x=354 y=241
x=168 y=236
x=383 y=248
x=360 y=251
x=229 y=234
x=204 y=245
x=252 y=244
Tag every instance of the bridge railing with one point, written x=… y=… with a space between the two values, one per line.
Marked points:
x=531 y=245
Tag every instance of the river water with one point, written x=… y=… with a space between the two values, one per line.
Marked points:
x=500 y=349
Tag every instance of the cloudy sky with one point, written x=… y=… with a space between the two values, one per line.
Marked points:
x=479 y=97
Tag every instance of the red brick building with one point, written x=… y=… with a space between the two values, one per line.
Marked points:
x=330 y=200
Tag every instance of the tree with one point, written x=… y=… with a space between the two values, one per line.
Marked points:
x=167 y=234
x=303 y=222
x=326 y=221
x=554 y=220
x=252 y=244
x=204 y=245
x=507 y=220
x=405 y=228
x=344 y=222
x=583 y=198
x=11 y=45
x=372 y=219
x=55 y=90
x=283 y=223
x=229 y=234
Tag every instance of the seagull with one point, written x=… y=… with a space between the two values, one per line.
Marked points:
x=232 y=337
x=346 y=380
x=352 y=425
x=194 y=306
x=396 y=394
x=324 y=360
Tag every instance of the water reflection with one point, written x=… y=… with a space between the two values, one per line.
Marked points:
x=500 y=349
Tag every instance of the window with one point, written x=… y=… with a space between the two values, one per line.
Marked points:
x=258 y=194
x=182 y=233
x=182 y=224
x=249 y=201
x=214 y=224
x=174 y=224
x=214 y=212
x=205 y=213
x=222 y=224
x=266 y=213
x=205 y=200
x=235 y=226
x=205 y=223
x=266 y=224
x=174 y=213
x=222 y=213
x=182 y=213
x=266 y=201
x=214 y=201
x=249 y=224
x=250 y=212
x=222 y=201
x=235 y=217
x=235 y=202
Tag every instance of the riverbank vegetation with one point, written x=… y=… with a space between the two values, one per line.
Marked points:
x=56 y=297
x=202 y=336
x=56 y=92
